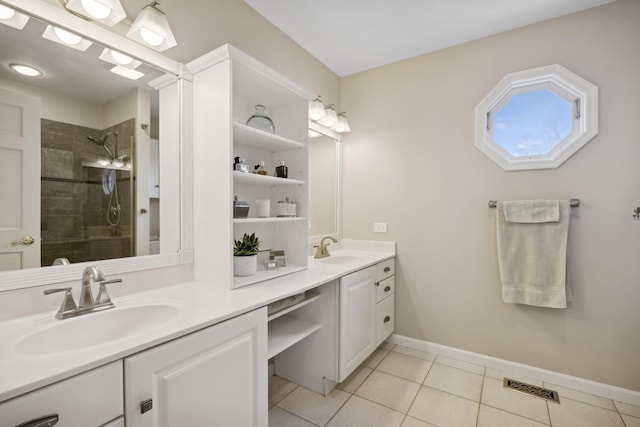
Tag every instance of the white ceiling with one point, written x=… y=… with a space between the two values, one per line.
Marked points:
x=350 y=36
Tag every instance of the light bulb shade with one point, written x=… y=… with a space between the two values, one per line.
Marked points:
x=66 y=38
x=331 y=118
x=316 y=110
x=107 y=12
x=10 y=17
x=126 y=72
x=116 y=58
x=151 y=28
x=343 y=124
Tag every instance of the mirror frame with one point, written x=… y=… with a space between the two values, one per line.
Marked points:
x=315 y=239
x=176 y=75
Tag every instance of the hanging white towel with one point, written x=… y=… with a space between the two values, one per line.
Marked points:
x=532 y=252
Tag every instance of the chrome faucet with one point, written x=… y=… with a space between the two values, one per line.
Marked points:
x=89 y=273
x=322 y=251
x=86 y=303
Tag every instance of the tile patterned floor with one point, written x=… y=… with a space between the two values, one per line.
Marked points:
x=401 y=387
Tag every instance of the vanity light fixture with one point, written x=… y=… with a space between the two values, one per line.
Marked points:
x=151 y=28
x=10 y=17
x=331 y=118
x=313 y=133
x=316 y=110
x=127 y=72
x=26 y=70
x=343 y=124
x=66 y=38
x=118 y=58
x=107 y=12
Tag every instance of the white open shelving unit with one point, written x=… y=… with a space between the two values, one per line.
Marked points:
x=286 y=330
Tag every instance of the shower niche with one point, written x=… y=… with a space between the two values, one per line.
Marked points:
x=87 y=192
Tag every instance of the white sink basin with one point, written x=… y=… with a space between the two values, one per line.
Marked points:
x=94 y=329
x=340 y=259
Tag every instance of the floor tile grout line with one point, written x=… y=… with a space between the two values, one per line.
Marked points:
x=297 y=416
x=484 y=376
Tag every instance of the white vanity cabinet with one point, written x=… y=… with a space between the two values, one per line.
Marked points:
x=90 y=399
x=214 y=377
x=227 y=86
x=357 y=330
x=385 y=300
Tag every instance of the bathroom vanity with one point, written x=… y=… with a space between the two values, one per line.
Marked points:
x=206 y=359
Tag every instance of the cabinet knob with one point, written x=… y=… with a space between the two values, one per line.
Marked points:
x=146 y=405
x=386 y=319
x=46 y=421
x=387 y=288
x=387 y=269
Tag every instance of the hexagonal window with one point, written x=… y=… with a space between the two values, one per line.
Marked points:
x=537 y=119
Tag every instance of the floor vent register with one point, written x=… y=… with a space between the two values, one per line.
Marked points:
x=532 y=390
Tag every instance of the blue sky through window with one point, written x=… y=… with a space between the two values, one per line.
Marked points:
x=532 y=123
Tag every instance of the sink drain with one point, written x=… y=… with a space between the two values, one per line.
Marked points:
x=532 y=390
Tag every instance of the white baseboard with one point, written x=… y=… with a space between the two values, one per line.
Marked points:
x=586 y=386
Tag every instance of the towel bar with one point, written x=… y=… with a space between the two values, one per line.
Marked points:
x=574 y=203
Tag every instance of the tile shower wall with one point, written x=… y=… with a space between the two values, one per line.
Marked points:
x=73 y=203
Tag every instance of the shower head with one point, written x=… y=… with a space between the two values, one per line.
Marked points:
x=102 y=142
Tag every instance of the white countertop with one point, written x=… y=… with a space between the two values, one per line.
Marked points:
x=200 y=305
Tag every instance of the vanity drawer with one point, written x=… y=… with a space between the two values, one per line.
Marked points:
x=91 y=399
x=385 y=319
x=385 y=288
x=385 y=269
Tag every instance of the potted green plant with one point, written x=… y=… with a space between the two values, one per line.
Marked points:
x=245 y=255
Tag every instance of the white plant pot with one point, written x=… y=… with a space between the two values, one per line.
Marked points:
x=245 y=265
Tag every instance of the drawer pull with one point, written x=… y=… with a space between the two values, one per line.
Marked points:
x=387 y=269
x=146 y=405
x=386 y=319
x=46 y=421
x=387 y=288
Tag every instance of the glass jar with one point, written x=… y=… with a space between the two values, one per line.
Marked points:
x=260 y=121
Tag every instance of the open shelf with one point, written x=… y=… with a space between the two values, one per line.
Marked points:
x=263 y=275
x=308 y=300
x=256 y=138
x=255 y=179
x=267 y=220
x=285 y=331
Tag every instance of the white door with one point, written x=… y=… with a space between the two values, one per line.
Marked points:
x=357 y=320
x=216 y=377
x=19 y=181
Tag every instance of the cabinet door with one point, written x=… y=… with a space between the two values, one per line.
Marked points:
x=90 y=399
x=357 y=319
x=216 y=377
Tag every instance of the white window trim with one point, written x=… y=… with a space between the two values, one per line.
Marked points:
x=552 y=76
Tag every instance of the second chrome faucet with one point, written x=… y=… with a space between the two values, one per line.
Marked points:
x=86 y=303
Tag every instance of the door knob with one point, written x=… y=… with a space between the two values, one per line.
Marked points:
x=25 y=241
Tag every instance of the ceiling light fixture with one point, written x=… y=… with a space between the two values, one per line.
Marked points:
x=10 y=17
x=316 y=110
x=107 y=12
x=151 y=28
x=127 y=72
x=66 y=38
x=343 y=124
x=26 y=70
x=331 y=118
x=118 y=58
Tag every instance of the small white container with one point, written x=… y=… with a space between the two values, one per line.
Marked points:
x=263 y=208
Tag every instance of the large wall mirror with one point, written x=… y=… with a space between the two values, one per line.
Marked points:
x=325 y=148
x=81 y=175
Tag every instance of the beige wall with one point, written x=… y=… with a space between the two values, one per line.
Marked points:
x=413 y=147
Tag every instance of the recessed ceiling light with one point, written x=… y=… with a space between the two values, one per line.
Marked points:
x=26 y=70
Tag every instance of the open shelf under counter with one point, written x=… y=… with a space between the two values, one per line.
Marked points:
x=256 y=138
x=262 y=275
x=285 y=331
x=308 y=299
x=268 y=220
x=256 y=179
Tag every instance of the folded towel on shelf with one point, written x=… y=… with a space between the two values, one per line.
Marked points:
x=532 y=252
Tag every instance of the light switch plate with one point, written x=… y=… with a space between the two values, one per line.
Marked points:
x=379 y=227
